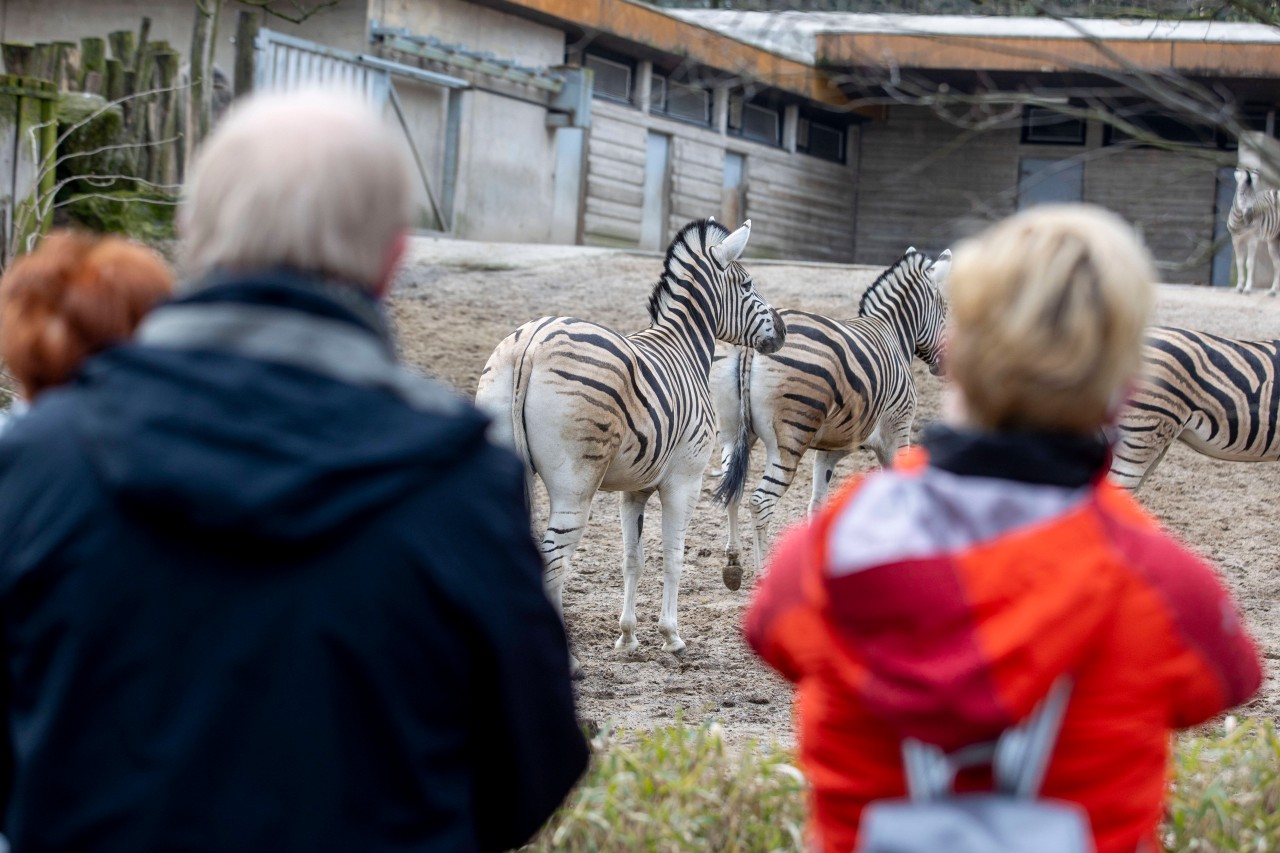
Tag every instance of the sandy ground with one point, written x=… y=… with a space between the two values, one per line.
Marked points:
x=454 y=301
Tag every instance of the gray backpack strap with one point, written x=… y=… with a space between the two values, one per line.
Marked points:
x=1019 y=758
x=1023 y=752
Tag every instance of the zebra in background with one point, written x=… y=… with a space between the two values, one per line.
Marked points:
x=1220 y=396
x=1254 y=218
x=836 y=385
x=588 y=408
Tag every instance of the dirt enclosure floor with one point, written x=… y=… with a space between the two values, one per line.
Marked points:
x=455 y=300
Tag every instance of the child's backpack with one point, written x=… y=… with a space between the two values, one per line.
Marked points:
x=1009 y=819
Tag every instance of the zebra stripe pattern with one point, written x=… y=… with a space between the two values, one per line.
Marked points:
x=835 y=386
x=1218 y=395
x=588 y=408
x=1254 y=218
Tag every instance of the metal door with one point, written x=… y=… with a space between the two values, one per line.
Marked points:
x=1049 y=181
x=653 y=213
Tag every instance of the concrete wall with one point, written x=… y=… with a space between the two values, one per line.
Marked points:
x=476 y=27
x=928 y=183
x=507 y=154
x=506 y=172
x=340 y=26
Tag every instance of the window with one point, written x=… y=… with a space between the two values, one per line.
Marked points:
x=612 y=78
x=820 y=140
x=1251 y=118
x=754 y=121
x=657 y=94
x=688 y=103
x=1044 y=126
x=1154 y=129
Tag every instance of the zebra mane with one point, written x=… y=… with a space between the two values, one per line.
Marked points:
x=694 y=239
x=901 y=274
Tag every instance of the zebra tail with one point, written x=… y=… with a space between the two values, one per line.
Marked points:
x=734 y=479
x=523 y=368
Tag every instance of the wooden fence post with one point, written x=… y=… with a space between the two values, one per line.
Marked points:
x=18 y=58
x=93 y=61
x=247 y=27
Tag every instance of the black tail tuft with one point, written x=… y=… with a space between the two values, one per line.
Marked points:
x=734 y=478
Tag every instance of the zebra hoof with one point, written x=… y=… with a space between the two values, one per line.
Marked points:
x=675 y=645
x=626 y=645
x=732 y=576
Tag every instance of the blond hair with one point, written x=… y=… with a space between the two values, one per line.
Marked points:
x=1047 y=310
x=311 y=180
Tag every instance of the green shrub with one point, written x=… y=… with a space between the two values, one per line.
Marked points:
x=681 y=788
x=1226 y=790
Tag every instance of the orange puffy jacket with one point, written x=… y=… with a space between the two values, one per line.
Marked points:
x=941 y=599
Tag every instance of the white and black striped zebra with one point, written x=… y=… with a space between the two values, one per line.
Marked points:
x=1220 y=396
x=1254 y=218
x=589 y=408
x=837 y=385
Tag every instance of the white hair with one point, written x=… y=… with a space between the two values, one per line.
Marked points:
x=312 y=180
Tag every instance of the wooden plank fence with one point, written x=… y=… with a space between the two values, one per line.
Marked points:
x=28 y=134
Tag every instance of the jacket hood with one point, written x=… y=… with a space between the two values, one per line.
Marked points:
x=959 y=588
x=270 y=408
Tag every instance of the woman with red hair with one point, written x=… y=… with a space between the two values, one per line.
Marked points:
x=75 y=295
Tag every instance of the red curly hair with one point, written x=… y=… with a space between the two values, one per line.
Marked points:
x=73 y=296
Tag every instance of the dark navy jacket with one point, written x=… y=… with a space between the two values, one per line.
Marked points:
x=263 y=590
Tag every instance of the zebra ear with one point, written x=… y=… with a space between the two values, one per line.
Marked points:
x=911 y=250
x=732 y=247
x=941 y=268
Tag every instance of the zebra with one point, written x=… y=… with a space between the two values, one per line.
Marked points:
x=1220 y=396
x=588 y=408
x=835 y=386
x=1254 y=218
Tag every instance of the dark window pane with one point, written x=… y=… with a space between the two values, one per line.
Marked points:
x=1045 y=126
x=760 y=124
x=688 y=103
x=612 y=79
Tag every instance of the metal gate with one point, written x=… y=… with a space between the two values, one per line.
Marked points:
x=285 y=62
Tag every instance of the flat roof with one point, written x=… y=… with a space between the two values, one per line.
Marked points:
x=999 y=43
x=678 y=36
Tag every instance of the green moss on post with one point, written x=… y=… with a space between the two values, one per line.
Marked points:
x=18 y=58
x=115 y=79
x=144 y=215
x=122 y=46
x=93 y=60
x=101 y=127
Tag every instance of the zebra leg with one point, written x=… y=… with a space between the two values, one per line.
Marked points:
x=1251 y=259
x=679 y=496
x=824 y=467
x=565 y=525
x=1141 y=442
x=773 y=485
x=731 y=574
x=1238 y=244
x=1273 y=250
x=631 y=511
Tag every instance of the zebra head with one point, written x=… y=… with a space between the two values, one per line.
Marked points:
x=704 y=259
x=908 y=296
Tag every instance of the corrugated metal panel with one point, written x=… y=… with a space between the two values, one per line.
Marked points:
x=290 y=63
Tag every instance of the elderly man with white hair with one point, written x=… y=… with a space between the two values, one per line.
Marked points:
x=264 y=589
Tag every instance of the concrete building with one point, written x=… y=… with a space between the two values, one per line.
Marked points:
x=843 y=137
